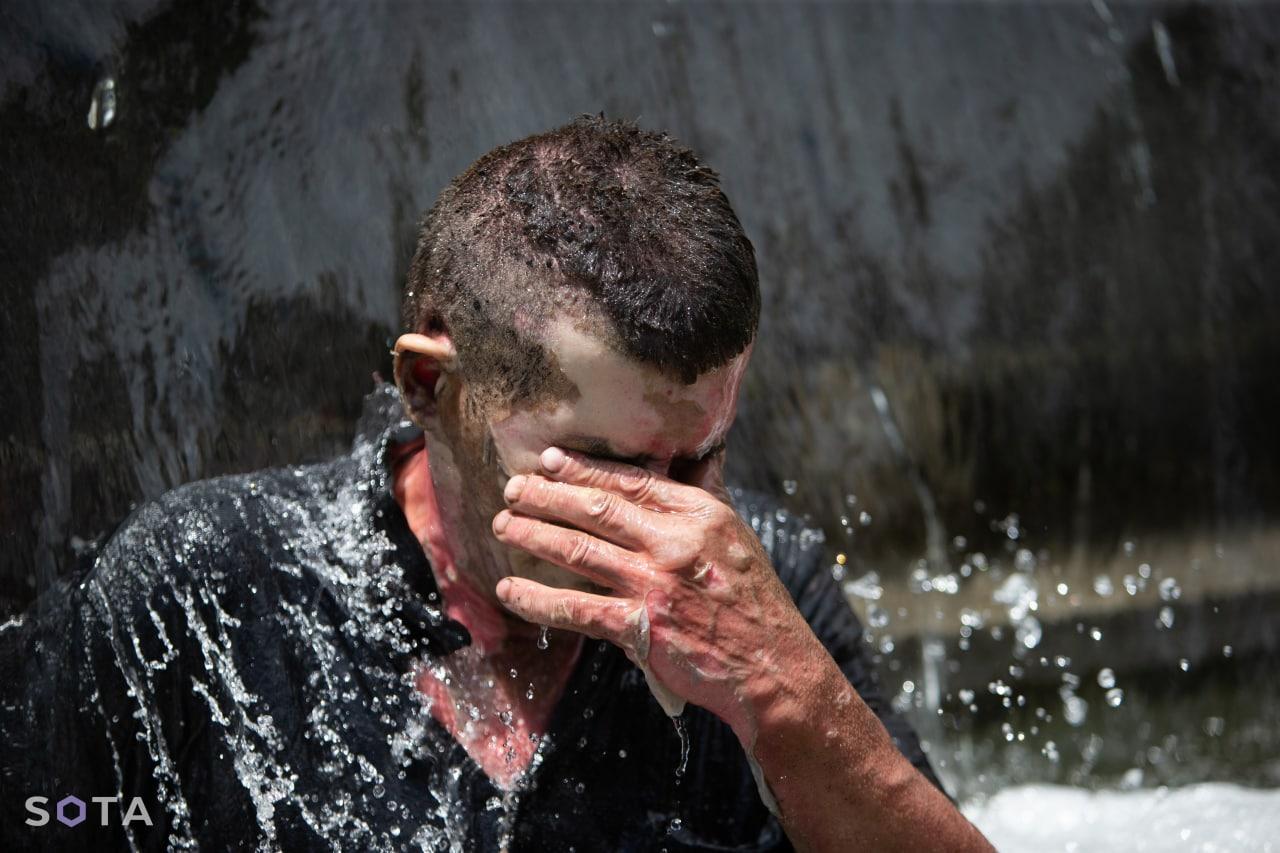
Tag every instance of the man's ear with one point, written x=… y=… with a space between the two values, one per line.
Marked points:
x=423 y=363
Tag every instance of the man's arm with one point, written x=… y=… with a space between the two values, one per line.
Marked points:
x=836 y=774
x=695 y=601
x=800 y=557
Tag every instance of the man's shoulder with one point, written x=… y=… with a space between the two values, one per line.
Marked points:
x=795 y=545
x=798 y=550
x=215 y=527
x=219 y=517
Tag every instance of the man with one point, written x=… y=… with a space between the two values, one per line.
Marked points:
x=474 y=631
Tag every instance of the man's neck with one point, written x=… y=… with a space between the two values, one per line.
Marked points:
x=496 y=699
x=490 y=626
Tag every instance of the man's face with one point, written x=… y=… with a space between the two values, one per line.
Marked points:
x=622 y=410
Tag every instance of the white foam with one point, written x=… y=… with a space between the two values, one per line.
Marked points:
x=1205 y=817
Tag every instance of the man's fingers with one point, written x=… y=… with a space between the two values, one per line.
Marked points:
x=595 y=559
x=606 y=514
x=638 y=485
x=595 y=615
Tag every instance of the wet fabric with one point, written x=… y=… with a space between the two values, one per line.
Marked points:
x=241 y=656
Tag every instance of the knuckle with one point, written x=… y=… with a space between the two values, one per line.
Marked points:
x=681 y=551
x=578 y=551
x=534 y=492
x=565 y=610
x=721 y=516
x=636 y=484
x=601 y=506
x=605 y=508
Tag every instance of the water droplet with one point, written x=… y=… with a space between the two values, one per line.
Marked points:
x=966 y=696
x=1106 y=678
x=1114 y=697
x=789 y=486
x=1074 y=710
x=877 y=617
x=864 y=518
x=542 y=638
x=1029 y=632
x=1102 y=586
x=868 y=587
x=684 y=745
x=102 y=105
x=1164 y=620
x=1169 y=590
x=1131 y=779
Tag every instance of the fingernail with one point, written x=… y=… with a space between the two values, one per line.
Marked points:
x=500 y=521
x=504 y=588
x=553 y=459
x=514 y=486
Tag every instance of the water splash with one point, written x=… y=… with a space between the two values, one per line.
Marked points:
x=102 y=104
x=683 y=732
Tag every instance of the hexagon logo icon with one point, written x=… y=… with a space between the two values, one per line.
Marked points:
x=62 y=810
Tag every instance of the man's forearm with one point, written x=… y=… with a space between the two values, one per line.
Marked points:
x=839 y=781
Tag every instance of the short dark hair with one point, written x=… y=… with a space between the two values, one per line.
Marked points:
x=597 y=217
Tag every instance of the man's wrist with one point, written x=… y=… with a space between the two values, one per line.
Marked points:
x=790 y=697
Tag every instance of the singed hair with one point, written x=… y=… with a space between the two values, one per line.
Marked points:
x=619 y=227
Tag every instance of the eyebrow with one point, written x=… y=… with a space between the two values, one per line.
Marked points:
x=594 y=446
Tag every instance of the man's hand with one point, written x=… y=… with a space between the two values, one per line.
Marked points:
x=691 y=593
x=692 y=596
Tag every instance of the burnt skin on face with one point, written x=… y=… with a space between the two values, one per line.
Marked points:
x=622 y=410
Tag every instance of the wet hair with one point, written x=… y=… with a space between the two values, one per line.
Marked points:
x=623 y=229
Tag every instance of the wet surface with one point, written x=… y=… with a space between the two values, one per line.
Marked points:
x=246 y=657
x=1025 y=286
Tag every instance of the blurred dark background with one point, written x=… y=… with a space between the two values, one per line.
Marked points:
x=1045 y=240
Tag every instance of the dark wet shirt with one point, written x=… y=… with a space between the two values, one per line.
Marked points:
x=241 y=657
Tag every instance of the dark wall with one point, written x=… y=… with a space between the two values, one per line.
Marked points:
x=1046 y=235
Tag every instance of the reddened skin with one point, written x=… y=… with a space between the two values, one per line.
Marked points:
x=423 y=364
